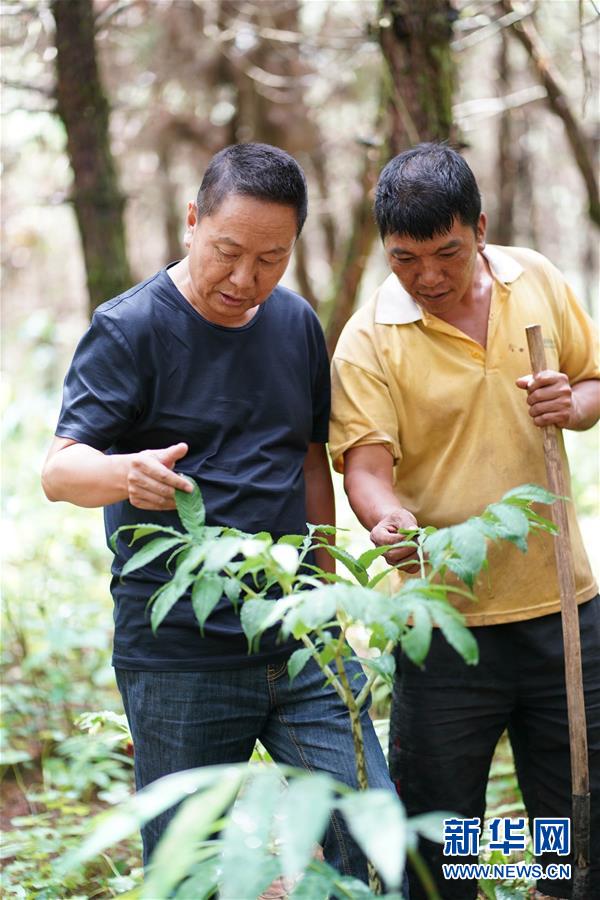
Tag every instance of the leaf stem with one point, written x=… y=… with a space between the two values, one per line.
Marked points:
x=332 y=677
x=423 y=873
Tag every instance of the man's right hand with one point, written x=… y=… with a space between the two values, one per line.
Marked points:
x=88 y=477
x=386 y=532
x=151 y=482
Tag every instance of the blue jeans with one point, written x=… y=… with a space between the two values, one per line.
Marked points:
x=181 y=720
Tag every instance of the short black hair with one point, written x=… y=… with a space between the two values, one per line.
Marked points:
x=253 y=170
x=423 y=190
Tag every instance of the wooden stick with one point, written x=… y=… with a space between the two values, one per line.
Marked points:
x=563 y=551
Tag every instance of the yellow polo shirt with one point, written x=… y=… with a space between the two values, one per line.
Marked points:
x=457 y=426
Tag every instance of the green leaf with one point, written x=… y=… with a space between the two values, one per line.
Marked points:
x=436 y=547
x=206 y=593
x=116 y=825
x=430 y=825
x=347 y=560
x=165 y=598
x=256 y=616
x=179 y=848
x=190 y=559
x=458 y=636
x=140 y=531
x=468 y=543
x=190 y=508
x=366 y=558
x=384 y=665
x=529 y=493
x=220 y=552
x=511 y=523
x=232 y=589
x=296 y=540
x=311 y=609
x=317 y=884
x=325 y=529
x=377 y=821
x=301 y=819
x=248 y=863
x=297 y=661
x=416 y=642
x=204 y=881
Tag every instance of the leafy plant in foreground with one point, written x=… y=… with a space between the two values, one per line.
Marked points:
x=318 y=608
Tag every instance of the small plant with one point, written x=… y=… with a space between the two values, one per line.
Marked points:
x=318 y=608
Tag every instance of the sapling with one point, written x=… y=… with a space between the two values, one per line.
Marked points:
x=318 y=608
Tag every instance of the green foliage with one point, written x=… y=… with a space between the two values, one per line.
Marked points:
x=268 y=814
x=56 y=644
x=317 y=608
x=253 y=564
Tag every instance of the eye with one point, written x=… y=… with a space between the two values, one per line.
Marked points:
x=448 y=253
x=228 y=257
x=269 y=262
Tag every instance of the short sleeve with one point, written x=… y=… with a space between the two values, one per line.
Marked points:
x=578 y=352
x=362 y=412
x=101 y=395
x=321 y=390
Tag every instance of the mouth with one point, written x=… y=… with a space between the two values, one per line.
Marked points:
x=434 y=297
x=229 y=300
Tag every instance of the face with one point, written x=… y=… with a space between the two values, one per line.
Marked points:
x=437 y=273
x=237 y=256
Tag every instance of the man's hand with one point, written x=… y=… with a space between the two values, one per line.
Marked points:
x=88 y=477
x=151 y=483
x=386 y=532
x=553 y=401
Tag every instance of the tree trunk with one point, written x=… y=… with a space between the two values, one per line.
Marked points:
x=357 y=252
x=83 y=108
x=503 y=231
x=415 y=40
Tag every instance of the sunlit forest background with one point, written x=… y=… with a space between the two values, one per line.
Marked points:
x=110 y=111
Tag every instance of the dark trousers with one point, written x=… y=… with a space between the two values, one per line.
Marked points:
x=180 y=720
x=448 y=717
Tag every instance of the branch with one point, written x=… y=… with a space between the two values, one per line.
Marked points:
x=48 y=93
x=526 y=33
x=489 y=30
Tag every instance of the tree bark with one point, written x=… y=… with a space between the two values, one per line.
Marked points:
x=415 y=40
x=83 y=108
x=503 y=233
x=527 y=34
x=357 y=252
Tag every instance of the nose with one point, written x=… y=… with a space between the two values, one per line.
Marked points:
x=430 y=275
x=243 y=275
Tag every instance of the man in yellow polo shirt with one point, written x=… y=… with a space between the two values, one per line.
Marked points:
x=434 y=416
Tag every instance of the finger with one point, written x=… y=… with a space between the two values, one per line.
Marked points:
x=393 y=557
x=148 y=466
x=170 y=455
x=143 y=498
x=524 y=381
x=549 y=376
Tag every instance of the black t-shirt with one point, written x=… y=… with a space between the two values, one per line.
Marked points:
x=151 y=372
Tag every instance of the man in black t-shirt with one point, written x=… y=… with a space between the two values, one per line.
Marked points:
x=212 y=370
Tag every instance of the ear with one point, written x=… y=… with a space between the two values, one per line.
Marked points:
x=191 y=221
x=481 y=229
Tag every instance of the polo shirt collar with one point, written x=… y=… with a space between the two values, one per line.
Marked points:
x=394 y=306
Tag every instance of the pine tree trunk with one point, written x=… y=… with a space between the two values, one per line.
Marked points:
x=415 y=40
x=84 y=111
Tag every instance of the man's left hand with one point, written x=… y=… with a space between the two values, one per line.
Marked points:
x=550 y=397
